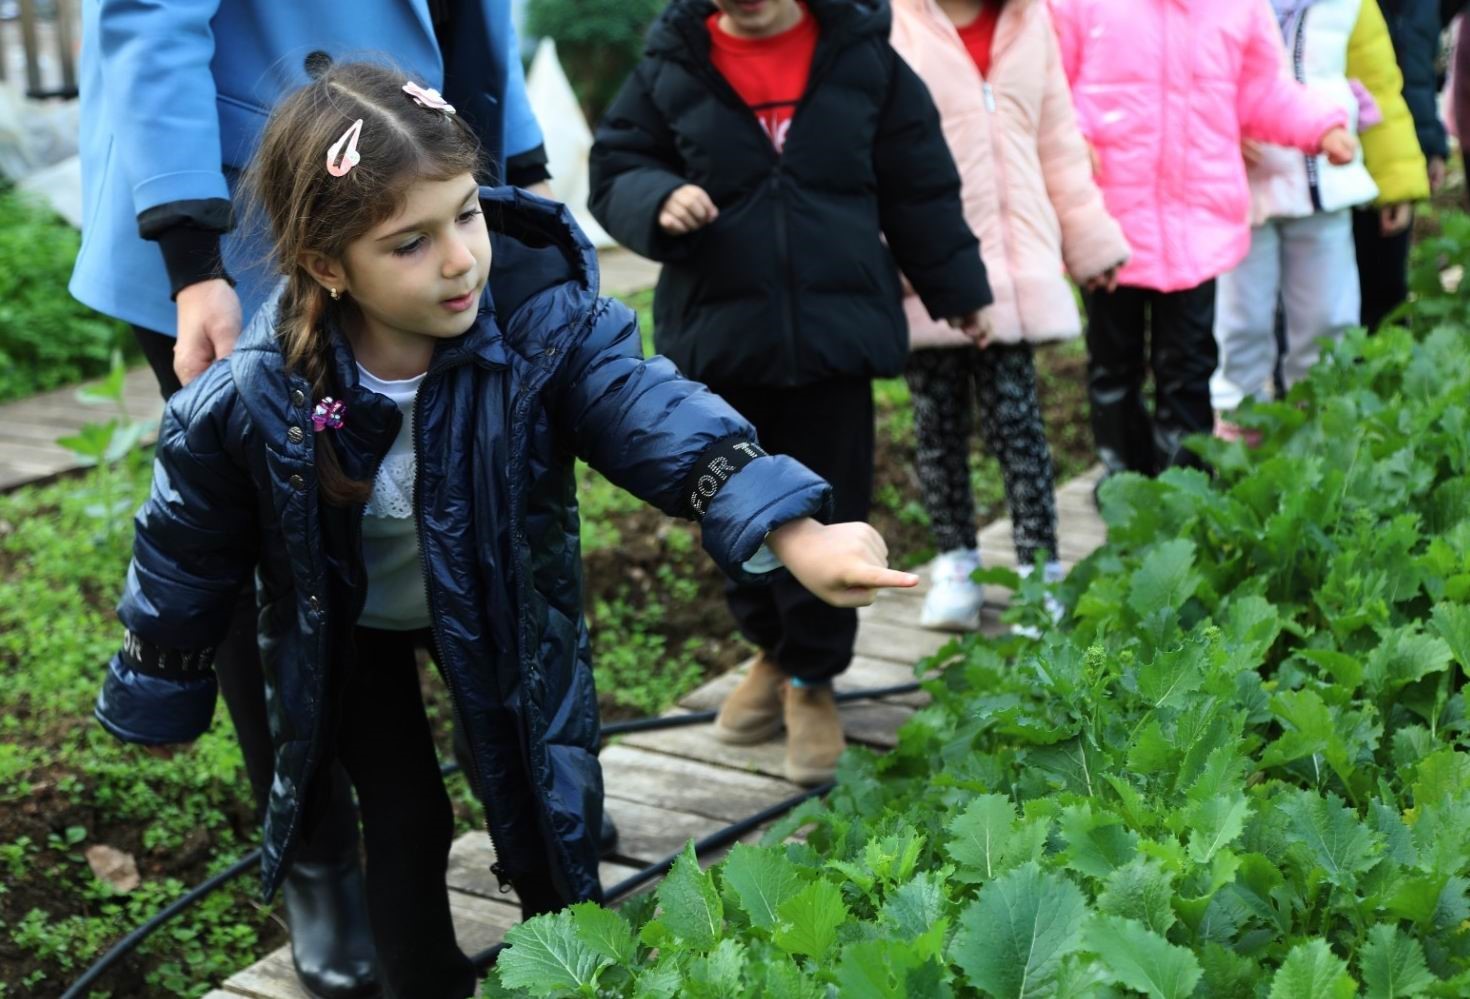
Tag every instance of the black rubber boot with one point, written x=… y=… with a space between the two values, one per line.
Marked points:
x=331 y=942
x=607 y=836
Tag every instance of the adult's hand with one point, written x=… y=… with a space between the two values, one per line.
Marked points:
x=209 y=325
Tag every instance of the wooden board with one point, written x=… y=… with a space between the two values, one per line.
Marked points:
x=478 y=923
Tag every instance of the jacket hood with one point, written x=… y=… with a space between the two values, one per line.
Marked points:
x=536 y=247
x=680 y=32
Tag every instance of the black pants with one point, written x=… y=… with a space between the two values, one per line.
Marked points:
x=1383 y=267
x=385 y=745
x=947 y=387
x=828 y=427
x=1130 y=331
x=242 y=685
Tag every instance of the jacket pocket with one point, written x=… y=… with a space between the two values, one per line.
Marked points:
x=240 y=125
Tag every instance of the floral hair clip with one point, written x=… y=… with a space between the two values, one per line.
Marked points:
x=427 y=97
x=328 y=414
x=350 y=157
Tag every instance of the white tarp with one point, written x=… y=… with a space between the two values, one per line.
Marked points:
x=568 y=139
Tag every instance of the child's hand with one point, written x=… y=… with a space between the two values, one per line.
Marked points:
x=1394 y=219
x=1437 y=173
x=1106 y=281
x=977 y=325
x=843 y=564
x=1252 y=152
x=687 y=209
x=1339 y=146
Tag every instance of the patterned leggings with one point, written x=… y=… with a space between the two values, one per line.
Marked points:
x=1002 y=381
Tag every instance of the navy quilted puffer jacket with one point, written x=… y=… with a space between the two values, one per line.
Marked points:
x=550 y=372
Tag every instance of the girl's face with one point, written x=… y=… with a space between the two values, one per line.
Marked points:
x=421 y=272
x=758 y=18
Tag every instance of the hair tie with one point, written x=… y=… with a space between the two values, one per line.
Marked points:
x=427 y=97
x=351 y=157
x=328 y=414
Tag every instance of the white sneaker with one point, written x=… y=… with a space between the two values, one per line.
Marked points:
x=954 y=599
x=1052 y=573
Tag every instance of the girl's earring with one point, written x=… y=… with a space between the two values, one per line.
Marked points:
x=335 y=295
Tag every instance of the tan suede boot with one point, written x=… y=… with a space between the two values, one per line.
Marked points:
x=752 y=712
x=814 y=738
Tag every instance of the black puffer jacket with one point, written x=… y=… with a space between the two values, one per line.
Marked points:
x=792 y=284
x=1415 y=27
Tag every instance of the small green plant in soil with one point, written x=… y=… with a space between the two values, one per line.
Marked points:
x=47 y=338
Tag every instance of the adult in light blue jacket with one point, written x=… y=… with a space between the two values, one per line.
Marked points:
x=175 y=94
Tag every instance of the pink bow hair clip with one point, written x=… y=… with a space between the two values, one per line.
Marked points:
x=428 y=97
x=328 y=414
x=350 y=157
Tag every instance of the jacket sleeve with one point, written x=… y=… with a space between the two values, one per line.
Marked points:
x=1273 y=107
x=155 y=60
x=1390 y=149
x=522 y=130
x=1064 y=15
x=1461 y=73
x=193 y=550
x=1415 y=31
x=1092 y=240
x=673 y=443
x=634 y=168
x=919 y=203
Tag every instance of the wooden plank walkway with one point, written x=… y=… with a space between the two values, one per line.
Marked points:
x=664 y=788
x=29 y=428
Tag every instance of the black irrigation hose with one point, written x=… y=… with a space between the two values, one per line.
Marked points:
x=486 y=958
x=133 y=939
x=714 y=841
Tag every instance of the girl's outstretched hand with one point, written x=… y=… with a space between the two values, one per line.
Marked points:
x=843 y=564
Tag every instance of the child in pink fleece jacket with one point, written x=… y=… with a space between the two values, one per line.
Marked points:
x=1165 y=91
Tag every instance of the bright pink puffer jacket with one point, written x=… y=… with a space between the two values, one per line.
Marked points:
x=1165 y=90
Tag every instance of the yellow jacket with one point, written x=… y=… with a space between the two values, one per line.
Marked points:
x=1390 y=149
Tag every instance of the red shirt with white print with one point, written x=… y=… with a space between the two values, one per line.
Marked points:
x=979 y=35
x=769 y=74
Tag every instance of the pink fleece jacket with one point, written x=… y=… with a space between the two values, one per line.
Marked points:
x=1165 y=90
x=1029 y=193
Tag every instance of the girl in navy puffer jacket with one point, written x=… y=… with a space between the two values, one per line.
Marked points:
x=390 y=451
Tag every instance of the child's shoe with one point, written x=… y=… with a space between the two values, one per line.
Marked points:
x=814 y=739
x=1052 y=573
x=954 y=599
x=752 y=712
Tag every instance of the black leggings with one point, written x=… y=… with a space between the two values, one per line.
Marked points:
x=242 y=685
x=947 y=387
x=385 y=744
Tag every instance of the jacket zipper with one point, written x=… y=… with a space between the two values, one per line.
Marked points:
x=723 y=89
x=498 y=868
x=1298 y=69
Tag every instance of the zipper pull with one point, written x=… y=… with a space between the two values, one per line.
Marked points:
x=989 y=96
x=501 y=879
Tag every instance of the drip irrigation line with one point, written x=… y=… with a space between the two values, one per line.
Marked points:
x=133 y=939
x=714 y=841
x=487 y=958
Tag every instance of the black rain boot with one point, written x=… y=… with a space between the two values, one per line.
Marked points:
x=331 y=942
x=607 y=836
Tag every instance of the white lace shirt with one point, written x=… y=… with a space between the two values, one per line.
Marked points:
x=390 y=539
